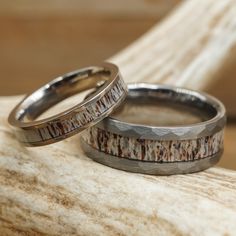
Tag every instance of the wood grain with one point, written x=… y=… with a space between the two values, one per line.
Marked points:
x=57 y=190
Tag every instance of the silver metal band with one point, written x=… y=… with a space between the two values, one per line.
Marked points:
x=67 y=123
x=160 y=150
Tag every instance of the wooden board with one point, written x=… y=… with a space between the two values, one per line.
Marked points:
x=57 y=190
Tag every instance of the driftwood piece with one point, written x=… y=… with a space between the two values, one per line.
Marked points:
x=194 y=47
x=57 y=190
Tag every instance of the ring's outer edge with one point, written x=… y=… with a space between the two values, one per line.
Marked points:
x=168 y=133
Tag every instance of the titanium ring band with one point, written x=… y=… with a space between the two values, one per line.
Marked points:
x=160 y=150
x=93 y=109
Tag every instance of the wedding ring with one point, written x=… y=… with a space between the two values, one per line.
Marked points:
x=110 y=94
x=160 y=150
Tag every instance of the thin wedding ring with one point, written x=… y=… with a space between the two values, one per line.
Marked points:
x=93 y=109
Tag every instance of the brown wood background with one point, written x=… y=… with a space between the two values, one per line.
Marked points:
x=41 y=40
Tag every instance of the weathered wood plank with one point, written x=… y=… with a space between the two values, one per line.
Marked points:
x=57 y=190
x=194 y=47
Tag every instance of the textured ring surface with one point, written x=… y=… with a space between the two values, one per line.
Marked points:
x=160 y=150
x=109 y=95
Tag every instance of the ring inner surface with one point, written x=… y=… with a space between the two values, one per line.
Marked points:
x=164 y=108
x=60 y=89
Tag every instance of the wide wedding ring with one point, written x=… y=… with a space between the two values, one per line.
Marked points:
x=93 y=109
x=161 y=150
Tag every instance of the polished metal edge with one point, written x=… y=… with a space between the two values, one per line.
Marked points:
x=194 y=131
